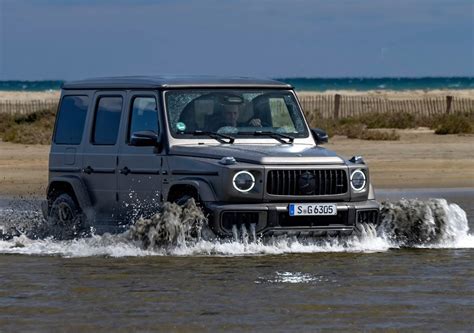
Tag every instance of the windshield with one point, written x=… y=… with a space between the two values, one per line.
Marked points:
x=237 y=113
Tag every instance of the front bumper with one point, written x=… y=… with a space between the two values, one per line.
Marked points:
x=273 y=219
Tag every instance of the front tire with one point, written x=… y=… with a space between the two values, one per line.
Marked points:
x=205 y=233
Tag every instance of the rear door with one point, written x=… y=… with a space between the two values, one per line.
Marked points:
x=139 y=168
x=99 y=166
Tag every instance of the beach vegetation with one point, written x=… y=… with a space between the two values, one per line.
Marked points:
x=368 y=126
x=32 y=128
x=37 y=127
x=453 y=124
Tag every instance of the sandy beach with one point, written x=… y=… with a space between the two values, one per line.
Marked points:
x=29 y=95
x=396 y=94
x=389 y=94
x=420 y=159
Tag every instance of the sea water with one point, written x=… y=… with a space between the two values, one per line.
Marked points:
x=307 y=84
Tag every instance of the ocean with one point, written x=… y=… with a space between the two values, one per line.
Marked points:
x=307 y=84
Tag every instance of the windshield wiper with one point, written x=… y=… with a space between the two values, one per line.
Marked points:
x=282 y=138
x=222 y=138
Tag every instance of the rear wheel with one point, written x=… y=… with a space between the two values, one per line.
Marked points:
x=66 y=220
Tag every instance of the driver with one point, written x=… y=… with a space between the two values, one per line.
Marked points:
x=230 y=116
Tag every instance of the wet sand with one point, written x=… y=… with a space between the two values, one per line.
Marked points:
x=419 y=160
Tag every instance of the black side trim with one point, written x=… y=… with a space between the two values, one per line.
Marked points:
x=103 y=170
x=144 y=172
x=194 y=173
x=65 y=169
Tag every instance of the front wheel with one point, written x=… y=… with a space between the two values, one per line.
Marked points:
x=66 y=220
x=203 y=231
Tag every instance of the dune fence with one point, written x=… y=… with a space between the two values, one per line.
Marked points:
x=327 y=106
x=28 y=106
x=339 y=106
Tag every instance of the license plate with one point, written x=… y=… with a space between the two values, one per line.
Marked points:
x=309 y=209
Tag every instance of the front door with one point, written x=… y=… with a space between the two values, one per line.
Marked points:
x=99 y=163
x=139 y=168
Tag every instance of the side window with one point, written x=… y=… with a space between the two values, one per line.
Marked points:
x=107 y=120
x=71 y=119
x=144 y=115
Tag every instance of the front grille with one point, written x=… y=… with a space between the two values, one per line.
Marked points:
x=306 y=182
x=368 y=216
x=285 y=220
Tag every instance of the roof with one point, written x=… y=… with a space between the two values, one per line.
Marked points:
x=154 y=82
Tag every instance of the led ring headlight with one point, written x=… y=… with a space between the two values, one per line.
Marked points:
x=243 y=181
x=358 y=180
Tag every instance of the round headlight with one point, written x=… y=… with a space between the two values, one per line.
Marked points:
x=358 y=180
x=243 y=181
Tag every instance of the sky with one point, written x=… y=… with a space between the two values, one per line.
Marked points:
x=74 y=39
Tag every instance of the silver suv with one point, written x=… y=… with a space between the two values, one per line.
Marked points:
x=240 y=147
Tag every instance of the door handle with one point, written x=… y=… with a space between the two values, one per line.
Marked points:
x=125 y=171
x=88 y=170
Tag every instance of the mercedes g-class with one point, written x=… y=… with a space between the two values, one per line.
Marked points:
x=240 y=147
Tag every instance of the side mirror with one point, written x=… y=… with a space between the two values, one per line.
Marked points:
x=319 y=135
x=144 y=138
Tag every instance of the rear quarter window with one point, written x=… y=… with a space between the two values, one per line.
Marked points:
x=71 y=119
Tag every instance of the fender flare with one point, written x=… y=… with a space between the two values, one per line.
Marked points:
x=80 y=191
x=205 y=191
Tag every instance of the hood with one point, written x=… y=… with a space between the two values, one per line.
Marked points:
x=262 y=154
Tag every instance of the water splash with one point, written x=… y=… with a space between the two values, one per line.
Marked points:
x=174 y=225
x=423 y=223
x=21 y=217
x=176 y=230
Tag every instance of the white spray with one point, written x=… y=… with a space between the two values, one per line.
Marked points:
x=176 y=230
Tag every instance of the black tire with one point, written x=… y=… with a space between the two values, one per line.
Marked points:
x=66 y=220
x=183 y=199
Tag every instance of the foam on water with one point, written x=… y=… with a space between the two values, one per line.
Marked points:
x=175 y=231
x=293 y=278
